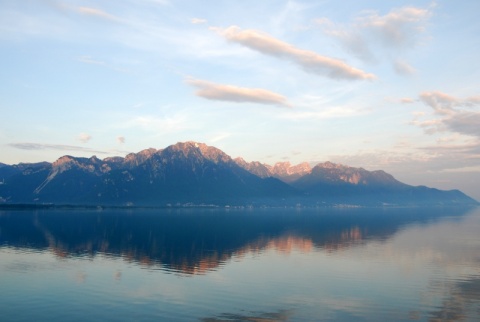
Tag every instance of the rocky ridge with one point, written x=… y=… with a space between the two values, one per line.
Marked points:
x=195 y=173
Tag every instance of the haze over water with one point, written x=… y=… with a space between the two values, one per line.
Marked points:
x=247 y=265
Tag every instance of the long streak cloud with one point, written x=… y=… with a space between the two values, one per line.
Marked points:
x=221 y=92
x=310 y=61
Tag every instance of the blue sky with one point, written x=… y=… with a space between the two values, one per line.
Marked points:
x=390 y=85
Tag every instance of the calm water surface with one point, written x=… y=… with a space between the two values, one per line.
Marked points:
x=240 y=265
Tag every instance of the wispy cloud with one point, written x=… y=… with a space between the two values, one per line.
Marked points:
x=324 y=113
x=220 y=137
x=407 y=100
x=469 y=147
x=458 y=155
x=59 y=147
x=197 y=21
x=84 y=137
x=97 y=13
x=89 y=60
x=398 y=30
x=444 y=103
x=415 y=158
x=310 y=61
x=167 y=124
x=403 y=68
x=454 y=113
x=350 y=37
x=159 y=2
x=408 y=156
x=464 y=122
x=221 y=92
x=83 y=10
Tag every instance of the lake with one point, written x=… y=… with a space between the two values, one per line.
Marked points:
x=240 y=265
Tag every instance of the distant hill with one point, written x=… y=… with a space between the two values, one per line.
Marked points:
x=192 y=173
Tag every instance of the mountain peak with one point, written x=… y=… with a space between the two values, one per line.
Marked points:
x=185 y=147
x=190 y=148
x=67 y=162
x=64 y=159
x=255 y=167
x=94 y=159
x=332 y=172
x=288 y=173
x=285 y=168
x=280 y=170
x=63 y=162
x=331 y=165
x=135 y=159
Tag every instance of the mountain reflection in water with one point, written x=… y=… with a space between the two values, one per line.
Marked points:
x=195 y=241
x=240 y=265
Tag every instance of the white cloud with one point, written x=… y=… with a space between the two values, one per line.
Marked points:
x=84 y=137
x=310 y=61
x=220 y=92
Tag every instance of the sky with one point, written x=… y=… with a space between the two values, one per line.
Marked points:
x=391 y=85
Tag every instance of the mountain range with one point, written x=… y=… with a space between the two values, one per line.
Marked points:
x=191 y=173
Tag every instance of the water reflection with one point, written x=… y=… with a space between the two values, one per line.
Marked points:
x=198 y=241
x=462 y=301
x=282 y=315
x=261 y=265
